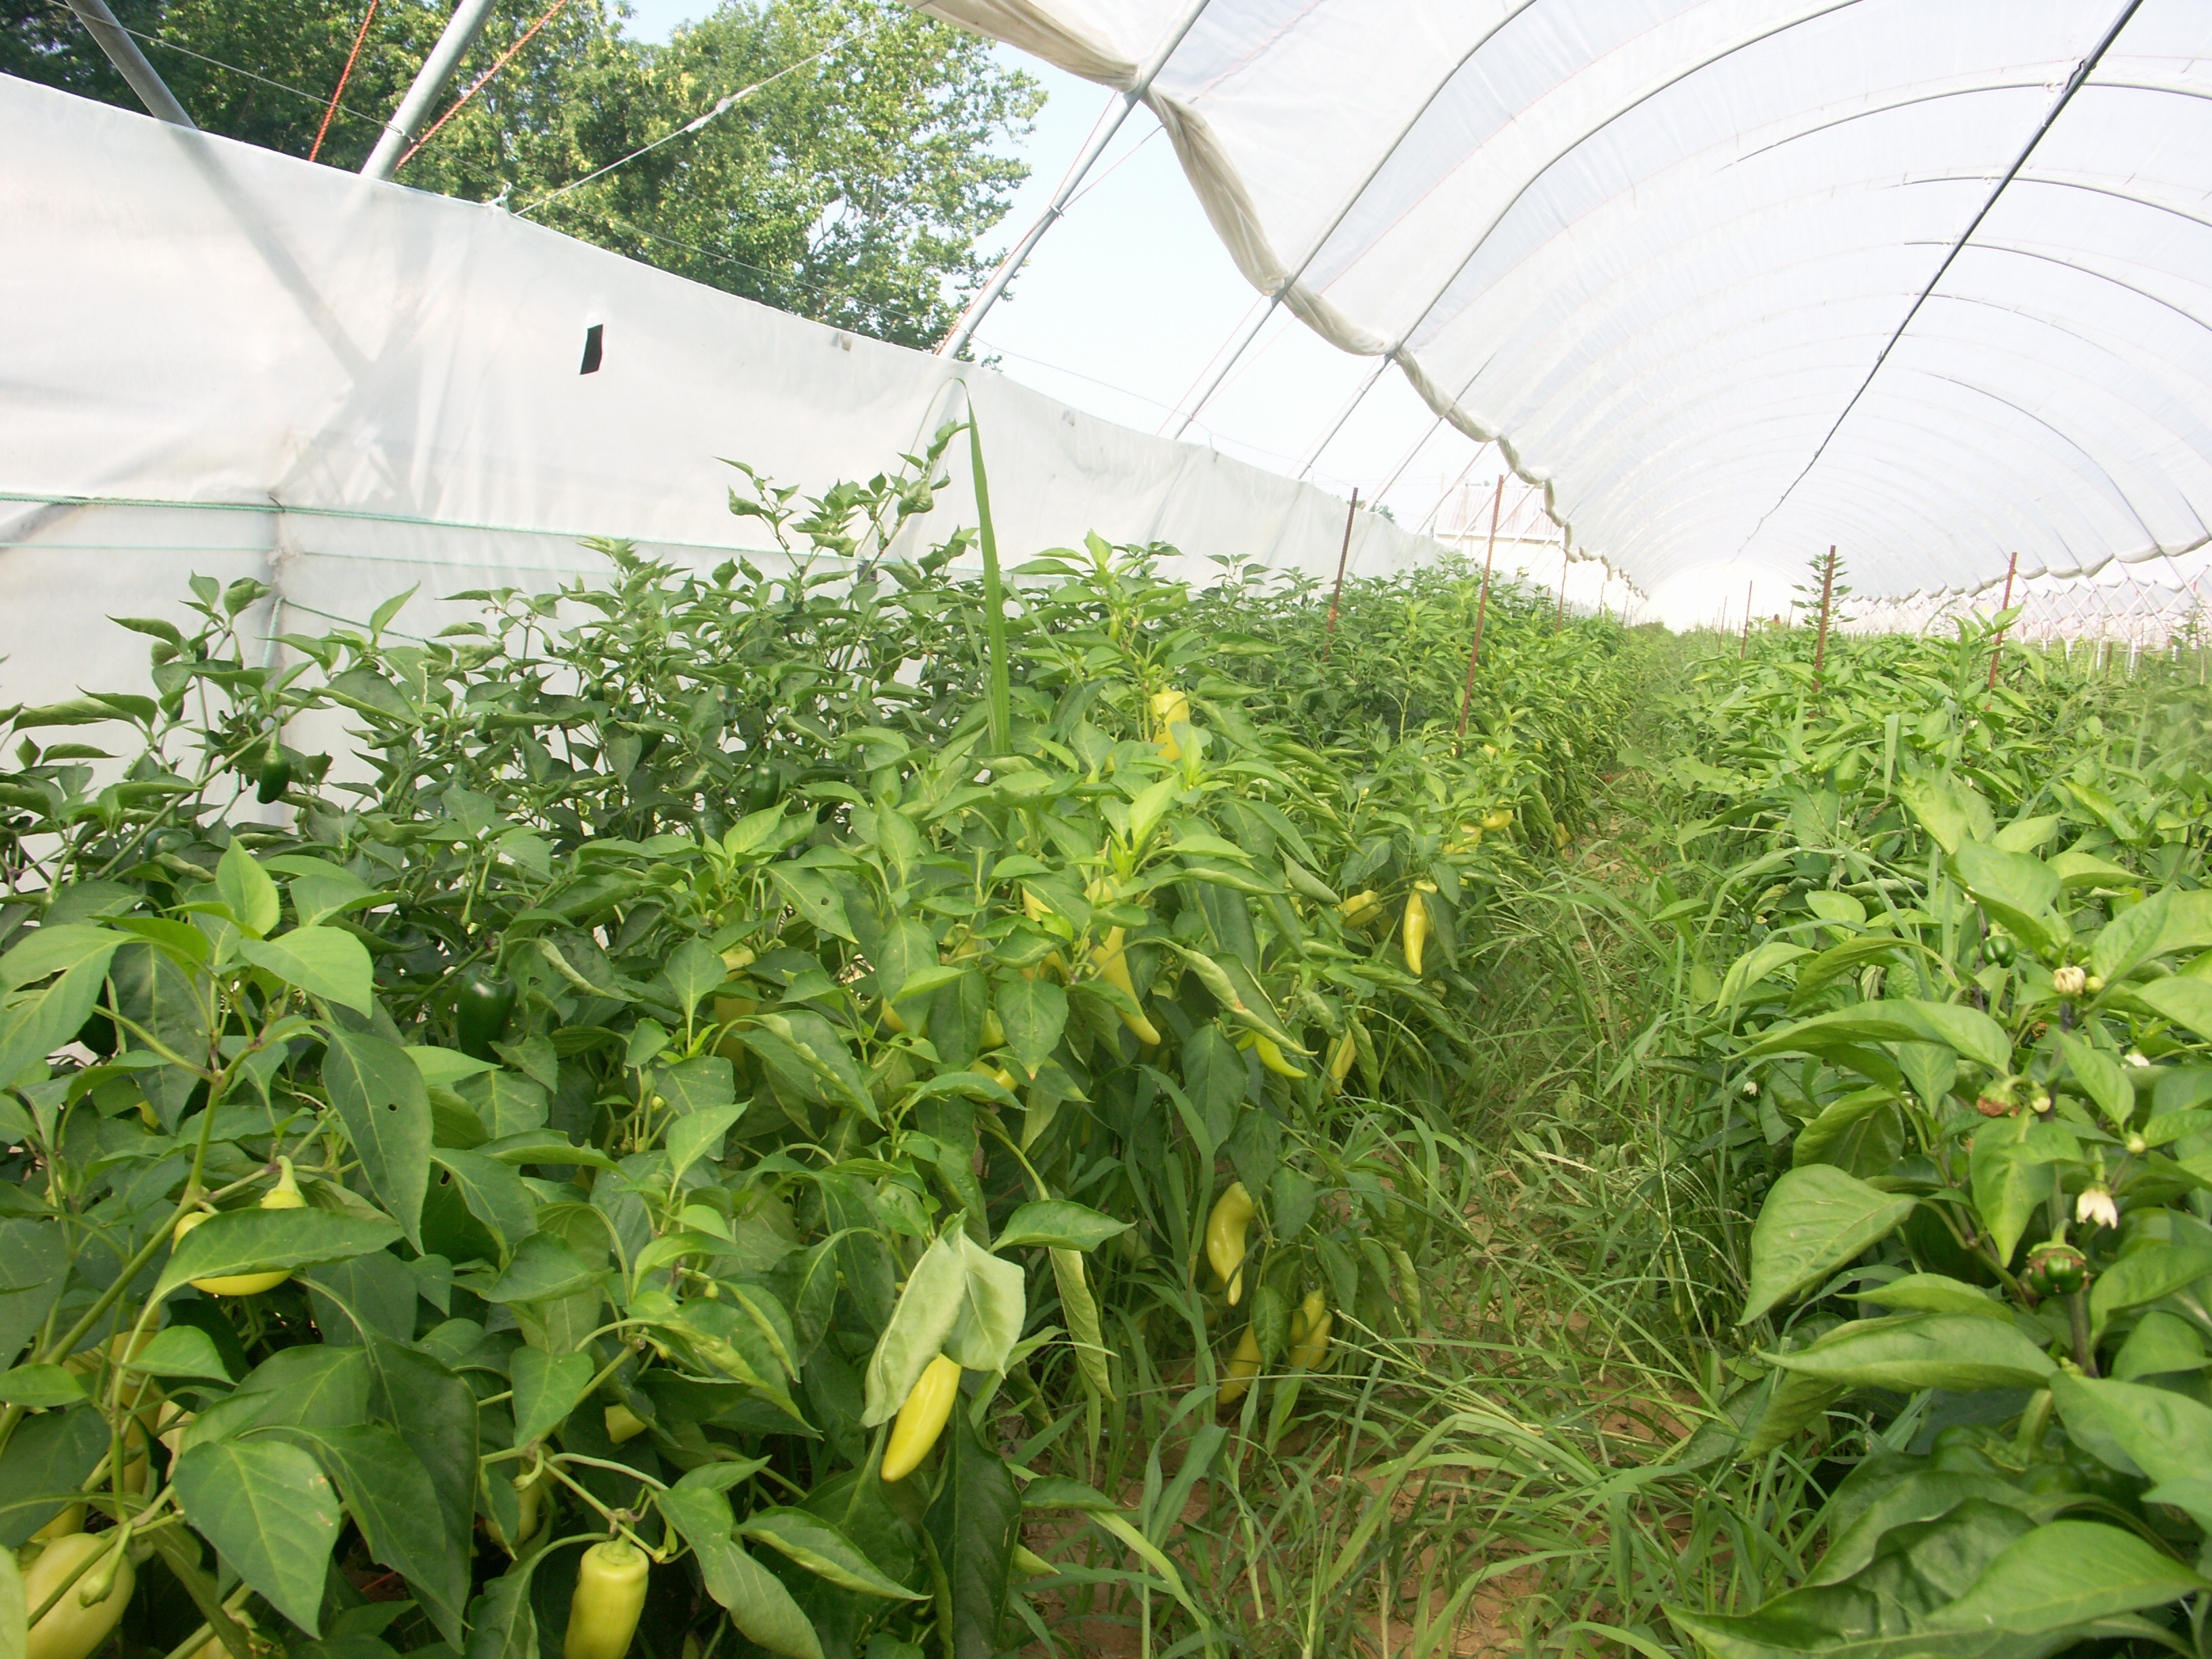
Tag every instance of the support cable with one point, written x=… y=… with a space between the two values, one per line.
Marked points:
x=392 y=144
x=722 y=106
x=484 y=176
x=1251 y=332
x=345 y=76
x=478 y=85
x=978 y=308
x=112 y=38
x=2074 y=84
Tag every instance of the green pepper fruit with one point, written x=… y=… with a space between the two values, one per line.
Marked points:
x=2053 y=1481
x=1963 y=1449
x=481 y=1011
x=2054 y=1269
x=1998 y=948
x=275 y=774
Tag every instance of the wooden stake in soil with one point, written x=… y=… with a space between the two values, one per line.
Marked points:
x=1821 y=646
x=1560 y=620
x=1996 y=651
x=1744 y=645
x=1328 y=636
x=1481 y=606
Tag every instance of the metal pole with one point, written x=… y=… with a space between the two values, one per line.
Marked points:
x=398 y=135
x=130 y=63
x=1827 y=587
x=1997 y=652
x=1481 y=607
x=978 y=308
x=1328 y=637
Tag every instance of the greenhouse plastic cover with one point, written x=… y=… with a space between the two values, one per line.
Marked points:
x=226 y=362
x=1736 y=280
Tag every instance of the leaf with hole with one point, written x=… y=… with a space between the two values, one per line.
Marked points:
x=382 y=1101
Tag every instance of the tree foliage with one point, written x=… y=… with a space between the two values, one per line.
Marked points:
x=852 y=187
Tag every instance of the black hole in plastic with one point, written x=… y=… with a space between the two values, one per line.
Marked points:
x=591 y=350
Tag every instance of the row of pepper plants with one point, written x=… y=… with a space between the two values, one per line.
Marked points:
x=1952 y=969
x=675 y=1111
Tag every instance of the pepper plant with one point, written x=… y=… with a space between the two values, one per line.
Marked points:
x=524 y=1193
x=1973 y=1027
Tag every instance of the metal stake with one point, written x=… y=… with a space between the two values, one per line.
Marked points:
x=1997 y=652
x=1821 y=648
x=1328 y=636
x=1481 y=607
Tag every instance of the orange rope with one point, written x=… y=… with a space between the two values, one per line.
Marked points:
x=551 y=11
x=345 y=76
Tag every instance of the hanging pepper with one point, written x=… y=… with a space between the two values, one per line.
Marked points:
x=1224 y=1237
x=275 y=776
x=1361 y=908
x=1309 y=1328
x=87 y=1613
x=285 y=1196
x=1271 y=1056
x=2055 y=1268
x=1169 y=708
x=481 y=1008
x=1417 y=926
x=1340 y=1059
x=1113 y=963
x=623 y=1424
x=922 y=1419
x=1243 y=1366
x=610 y=1597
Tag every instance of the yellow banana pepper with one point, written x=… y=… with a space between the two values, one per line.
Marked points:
x=922 y=1419
x=623 y=1424
x=73 y=1627
x=285 y=1196
x=1113 y=963
x=1417 y=926
x=1272 y=1057
x=1309 y=1330
x=1225 y=1231
x=1169 y=708
x=1340 y=1059
x=610 y=1597
x=1243 y=1366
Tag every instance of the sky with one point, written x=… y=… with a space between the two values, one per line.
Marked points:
x=1130 y=299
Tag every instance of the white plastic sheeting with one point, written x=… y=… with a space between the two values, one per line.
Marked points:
x=1734 y=279
x=224 y=361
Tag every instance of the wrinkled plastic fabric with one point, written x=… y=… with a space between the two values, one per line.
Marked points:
x=226 y=361
x=1682 y=259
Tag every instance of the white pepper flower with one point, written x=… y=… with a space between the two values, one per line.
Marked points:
x=2095 y=1208
x=2069 y=981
